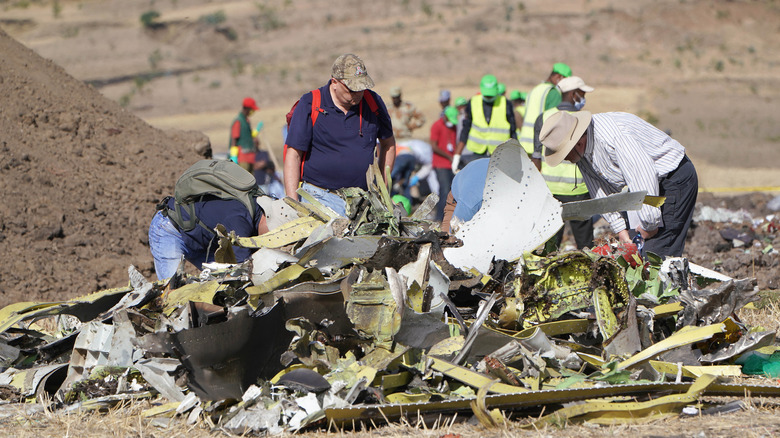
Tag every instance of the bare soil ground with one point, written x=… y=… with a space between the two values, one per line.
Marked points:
x=81 y=167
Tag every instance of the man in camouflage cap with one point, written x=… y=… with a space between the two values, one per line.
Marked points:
x=352 y=72
x=333 y=135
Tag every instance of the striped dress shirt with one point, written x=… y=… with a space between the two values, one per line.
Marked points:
x=625 y=151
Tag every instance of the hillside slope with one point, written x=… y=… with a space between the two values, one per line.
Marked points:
x=80 y=178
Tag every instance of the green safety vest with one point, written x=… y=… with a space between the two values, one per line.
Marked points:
x=245 y=140
x=485 y=136
x=563 y=178
x=534 y=106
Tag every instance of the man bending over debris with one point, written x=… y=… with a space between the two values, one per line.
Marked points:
x=184 y=224
x=333 y=135
x=618 y=150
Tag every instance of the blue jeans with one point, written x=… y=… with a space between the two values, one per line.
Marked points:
x=329 y=199
x=167 y=245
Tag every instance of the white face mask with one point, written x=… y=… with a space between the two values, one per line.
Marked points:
x=449 y=124
x=579 y=104
x=489 y=99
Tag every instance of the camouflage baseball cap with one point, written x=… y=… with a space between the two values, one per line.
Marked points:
x=351 y=70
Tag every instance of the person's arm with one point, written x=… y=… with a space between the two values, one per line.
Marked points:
x=600 y=188
x=536 y=156
x=449 y=210
x=235 y=133
x=292 y=172
x=510 y=117
x=464 y=136
x=299 y=139
x=464 y=133
x=553 y=98
x=262 y=226
x=386 y=155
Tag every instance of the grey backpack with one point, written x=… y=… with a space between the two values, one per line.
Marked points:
x=221 y=178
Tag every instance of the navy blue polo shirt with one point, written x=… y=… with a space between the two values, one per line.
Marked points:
x=202 y=244
x=337 y=155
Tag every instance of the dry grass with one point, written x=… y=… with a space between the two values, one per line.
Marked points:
x=759 y=420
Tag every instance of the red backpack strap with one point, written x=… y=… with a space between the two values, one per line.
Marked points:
x=372 y=105
x=316 y=99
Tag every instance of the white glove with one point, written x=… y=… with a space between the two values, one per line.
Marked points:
x=455 y=163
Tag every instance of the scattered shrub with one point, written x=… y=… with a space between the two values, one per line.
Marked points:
x=149 y=19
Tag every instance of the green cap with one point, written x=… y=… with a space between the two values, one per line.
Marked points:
x=488 y=86
x=523 y=95
x=451 y=113
x=562 y=69
x=501 y=88
x=461 y=101
x=515 y=94
x=404 y=201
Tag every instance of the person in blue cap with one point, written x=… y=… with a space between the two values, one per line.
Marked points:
x=465 y=197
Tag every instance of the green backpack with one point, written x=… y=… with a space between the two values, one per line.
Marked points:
x=221 y=178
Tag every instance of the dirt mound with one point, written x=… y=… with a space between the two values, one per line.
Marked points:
x=80 y=178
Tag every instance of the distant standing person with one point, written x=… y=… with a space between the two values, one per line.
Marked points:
x=444 y=99
x=443 y=142
x=405 y=116
x=541 y=98
x=489 y=122
x=618 y=150
x=241 y=140
x=334 y=132
x=460 y=105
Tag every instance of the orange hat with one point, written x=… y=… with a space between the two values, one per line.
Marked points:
x=250 y=103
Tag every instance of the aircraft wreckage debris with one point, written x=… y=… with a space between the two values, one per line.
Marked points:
x=377 y=316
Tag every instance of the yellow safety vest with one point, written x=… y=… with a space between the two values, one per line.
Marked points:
x=485 y=136
x=565 y=178
x=534 y=106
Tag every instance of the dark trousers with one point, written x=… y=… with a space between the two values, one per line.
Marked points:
x=582 y=230
x=680 y=187
x=445 y=176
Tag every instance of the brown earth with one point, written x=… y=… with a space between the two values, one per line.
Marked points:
x=81 y=173
x=80 y=178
